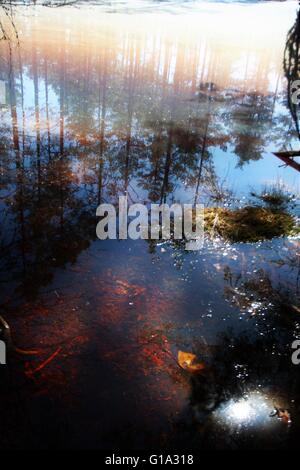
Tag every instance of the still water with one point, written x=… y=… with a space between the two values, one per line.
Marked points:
x=175 y=102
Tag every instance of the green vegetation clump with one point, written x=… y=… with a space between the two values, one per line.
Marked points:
x=249 y=224
x=276 y=197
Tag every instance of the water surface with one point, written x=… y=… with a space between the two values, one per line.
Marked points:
x=161 y=102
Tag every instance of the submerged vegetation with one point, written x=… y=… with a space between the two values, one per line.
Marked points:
x=249 y=224
x=271 y=217
x=276 y=197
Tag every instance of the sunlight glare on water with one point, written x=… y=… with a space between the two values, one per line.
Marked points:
x=251 y=410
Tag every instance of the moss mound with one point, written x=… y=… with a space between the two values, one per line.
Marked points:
x=250 y=224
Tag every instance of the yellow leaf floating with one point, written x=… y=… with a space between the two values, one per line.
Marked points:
x=187 y=362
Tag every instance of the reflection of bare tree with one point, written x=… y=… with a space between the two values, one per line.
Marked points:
x=292 y=66
x=113 y=139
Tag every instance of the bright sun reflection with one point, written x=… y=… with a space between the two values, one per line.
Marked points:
x=251 y=410
x=240 y=411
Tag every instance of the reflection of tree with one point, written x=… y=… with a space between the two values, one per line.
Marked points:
x=172 y=156
x=291 y=66
x=109 y=121
x=95 y=136
x=252 y=118
x=51 y=227
x=48 y=221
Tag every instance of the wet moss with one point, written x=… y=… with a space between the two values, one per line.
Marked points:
x=249 y=224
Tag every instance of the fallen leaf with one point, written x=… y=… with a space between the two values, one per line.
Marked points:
x=187 y=362
x=285 y=416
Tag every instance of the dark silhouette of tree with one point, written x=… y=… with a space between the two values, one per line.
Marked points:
x=291 y=65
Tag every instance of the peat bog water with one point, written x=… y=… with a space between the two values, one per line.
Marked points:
x=173 y=102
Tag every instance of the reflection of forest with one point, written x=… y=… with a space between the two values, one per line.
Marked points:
x=98 y=109
x=291 y=67
x=94 y=117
